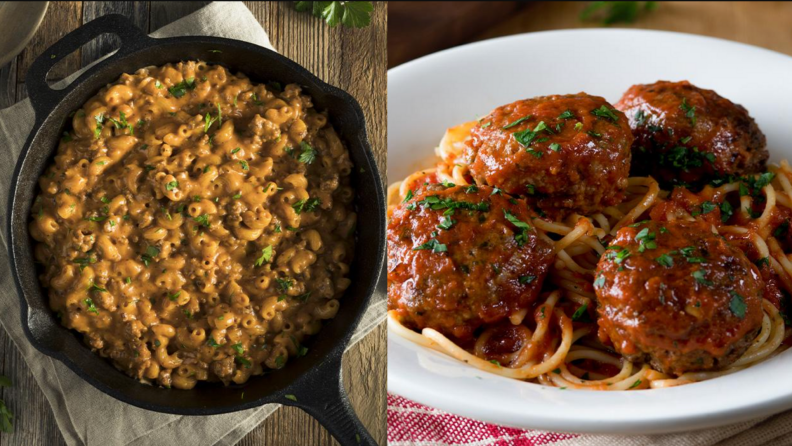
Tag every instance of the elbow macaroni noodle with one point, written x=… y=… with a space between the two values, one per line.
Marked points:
x=195 y=226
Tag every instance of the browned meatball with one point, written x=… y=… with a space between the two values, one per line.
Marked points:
x=460 y=257
x=688 y=135
x=678 y=296
x=564 y=153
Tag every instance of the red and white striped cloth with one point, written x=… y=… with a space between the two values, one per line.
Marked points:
x=412 y=424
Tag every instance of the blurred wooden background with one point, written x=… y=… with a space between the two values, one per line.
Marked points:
x=353 y=60
x=417 y=29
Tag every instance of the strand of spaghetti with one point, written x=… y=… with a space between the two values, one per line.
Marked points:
x=407 y=182
x=733 y=230
x=784 y=201
x=614 y=213
x=786 y=281
x=756 y=345
x=581 y=228
x=517 y=318
x=745 y=206
x=646 y=203
x=782 y=176
x=602 y=220
x=406 y=333
x=552 y=227
x=770 y=195
x=394 y=196
x=577 y=298
x=528 y=351
x=508 y=358
x=778 y=255
x=572 y=265
x=458 y=174
x=593 y=244
x=770 y=344
x=570 y=285
x=578 y=248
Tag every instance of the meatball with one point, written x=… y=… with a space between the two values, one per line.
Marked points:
x=678 y=296
x=565 y=154
x=688 y=135
x=460 y=257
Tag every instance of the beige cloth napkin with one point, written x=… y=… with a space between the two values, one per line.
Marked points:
x=84 y=414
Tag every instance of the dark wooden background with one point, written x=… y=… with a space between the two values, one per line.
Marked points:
x=354 y=60
x=417 y=29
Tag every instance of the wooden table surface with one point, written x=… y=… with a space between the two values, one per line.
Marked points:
x=764 y=24
x=354 y=60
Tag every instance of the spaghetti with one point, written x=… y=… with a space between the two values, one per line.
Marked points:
x=556 y=350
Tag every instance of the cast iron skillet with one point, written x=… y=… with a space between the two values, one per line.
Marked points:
x=314 y=380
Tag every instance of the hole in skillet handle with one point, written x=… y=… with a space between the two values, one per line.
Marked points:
x=324 y=398
x=44 y=98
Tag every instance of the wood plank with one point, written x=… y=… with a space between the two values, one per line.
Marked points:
x=61 y=18
x=162 y=13
x=138 y=12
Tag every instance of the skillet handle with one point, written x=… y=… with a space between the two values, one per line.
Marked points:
x=328 y=403
x=45 y=98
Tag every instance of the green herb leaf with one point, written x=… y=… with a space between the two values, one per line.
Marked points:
x=308 y=154
x=266 y=256
x=516 y=123
x=737 y=304
x=432 y=245
x=605 y=113
x=181 y=88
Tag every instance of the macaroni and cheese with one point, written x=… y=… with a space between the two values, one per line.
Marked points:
x=195 y=226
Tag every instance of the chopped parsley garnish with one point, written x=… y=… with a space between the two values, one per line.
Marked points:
x=84 y=261
x=646 y=240
x=531 y=189
x=181 y=88
x=524 y=280
x=472 y=189
x=580 y=313
x=244 y=165
x=517 y=122
x=447 y=183
x=521 y=235
x=99 y=121
x=685 y=158
x=236 y=150
x=726 y=211
x=555 y=147
x=408 y=197
x=706 y=208
x=617 y=254
x=95 y=287
x=600 y=281
x=535 y=153
x=781 y=230
x=436 y=203
x=266 y=256
x=284 y=284
x=527 y=136
x=635 y=384
x=690 y=111
x=763 y=261
x=640 y=117
x=446 y=223
x=432 y=245
x=566 y=115
x=665 y=260
x=308 y=154
x=202 y=220
x=737 y=304
x=212 y=343
x=594 y=134
x=699 y=275
x=174 y=296
x=151 y=253
x=686 y=139
x=172 y=185
x=91 y=307
x=308 y=205
x=579 y=126
x=605 y=113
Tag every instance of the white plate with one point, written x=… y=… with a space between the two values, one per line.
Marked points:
x=428 y=95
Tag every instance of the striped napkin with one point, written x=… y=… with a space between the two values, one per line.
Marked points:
x=412 y=424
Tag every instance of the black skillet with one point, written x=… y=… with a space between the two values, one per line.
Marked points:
x=314 y=381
